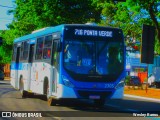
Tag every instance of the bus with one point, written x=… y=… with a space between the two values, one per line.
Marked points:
x=70 y=61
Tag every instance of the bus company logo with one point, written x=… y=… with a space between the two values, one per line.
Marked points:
x=6 y=114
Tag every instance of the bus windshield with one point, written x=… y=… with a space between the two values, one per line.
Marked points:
x=91 y=57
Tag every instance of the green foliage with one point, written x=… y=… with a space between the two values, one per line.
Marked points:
x=127 y=80
x=130 y=16
x=157 y=47
x=30 y=15
x=6 y=47
x=148 y=10
x=5 y=55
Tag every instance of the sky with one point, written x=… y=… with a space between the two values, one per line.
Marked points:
x=5 y=18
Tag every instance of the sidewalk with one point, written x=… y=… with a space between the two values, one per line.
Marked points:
x=7 y=78
x=150 y=94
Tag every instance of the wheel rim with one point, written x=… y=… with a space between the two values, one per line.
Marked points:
x=47 y=93
x=49 y=101
x=21 y=86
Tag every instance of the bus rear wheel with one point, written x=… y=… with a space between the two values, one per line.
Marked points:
x=99 y=102
x=21 y=88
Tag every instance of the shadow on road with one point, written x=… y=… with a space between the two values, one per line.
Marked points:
x=112 y=107
x=112 y=104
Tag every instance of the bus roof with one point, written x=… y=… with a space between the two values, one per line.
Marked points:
x=45 y=31
x=49 y=30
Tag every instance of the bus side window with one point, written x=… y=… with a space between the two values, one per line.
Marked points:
x=24 y=50
x=55 y=55
x=31 y=53
x=47 y=47
x=17 y=54
x=14 y=52
x=21 y=51
x=39 y=48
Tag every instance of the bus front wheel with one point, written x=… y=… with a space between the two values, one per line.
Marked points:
x=50 y=100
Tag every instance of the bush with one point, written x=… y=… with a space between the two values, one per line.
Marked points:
x=127 y=80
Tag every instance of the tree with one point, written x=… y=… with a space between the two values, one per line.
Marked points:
x=151 y=13
x=151 y=10
x=30 y=15
x=6 y=47
x=119 y=15
x=130 y=16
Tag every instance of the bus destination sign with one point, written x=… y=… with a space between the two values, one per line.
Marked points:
x=100 y=33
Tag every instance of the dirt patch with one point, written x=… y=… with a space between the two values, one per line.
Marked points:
x=150 y=93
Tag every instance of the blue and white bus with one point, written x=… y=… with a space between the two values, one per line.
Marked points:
x=70 y=61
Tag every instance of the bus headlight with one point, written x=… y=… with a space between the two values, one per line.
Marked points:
x=120 y=84
x=66 y=81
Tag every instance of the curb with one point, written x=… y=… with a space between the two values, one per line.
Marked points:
x=7 y=78
x=144 y=98
x=7 y=82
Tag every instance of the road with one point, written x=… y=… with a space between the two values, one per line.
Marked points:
x=11 y=101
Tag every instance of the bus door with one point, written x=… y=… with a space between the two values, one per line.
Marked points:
x=17 y=66
x=30 y=61
x=55 y=62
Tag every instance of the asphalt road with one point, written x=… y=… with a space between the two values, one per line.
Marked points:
x=127 y=108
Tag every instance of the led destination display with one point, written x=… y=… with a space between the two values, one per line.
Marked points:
x=99 y=33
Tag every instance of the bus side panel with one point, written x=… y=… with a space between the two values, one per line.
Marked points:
x=39 y=71
x=23 y=73
x=13 y=74
x=65 y=92
x=119 y=89
x=118 y=94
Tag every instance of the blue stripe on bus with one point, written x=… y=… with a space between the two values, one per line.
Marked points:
x=32 y=41
x=19 y=66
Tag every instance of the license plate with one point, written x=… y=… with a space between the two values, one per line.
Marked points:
x=94 y=97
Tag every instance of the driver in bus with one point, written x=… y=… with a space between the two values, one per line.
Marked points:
x=114 y=64
x=67 y=53
x=70 y=53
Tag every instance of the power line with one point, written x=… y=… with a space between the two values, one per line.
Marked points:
x=6 y=6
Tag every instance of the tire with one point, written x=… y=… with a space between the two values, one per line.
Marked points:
x=50 y=100
x=21 y=88
x=99 y=102
x=45 y=88
x=157 y=84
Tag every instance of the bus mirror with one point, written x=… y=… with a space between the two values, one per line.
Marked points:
x=59 y=46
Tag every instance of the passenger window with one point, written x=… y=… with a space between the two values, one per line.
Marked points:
x=47 y=47
x=24 y=50
x=14 y=52
x=39 y=48
x=21 y=51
